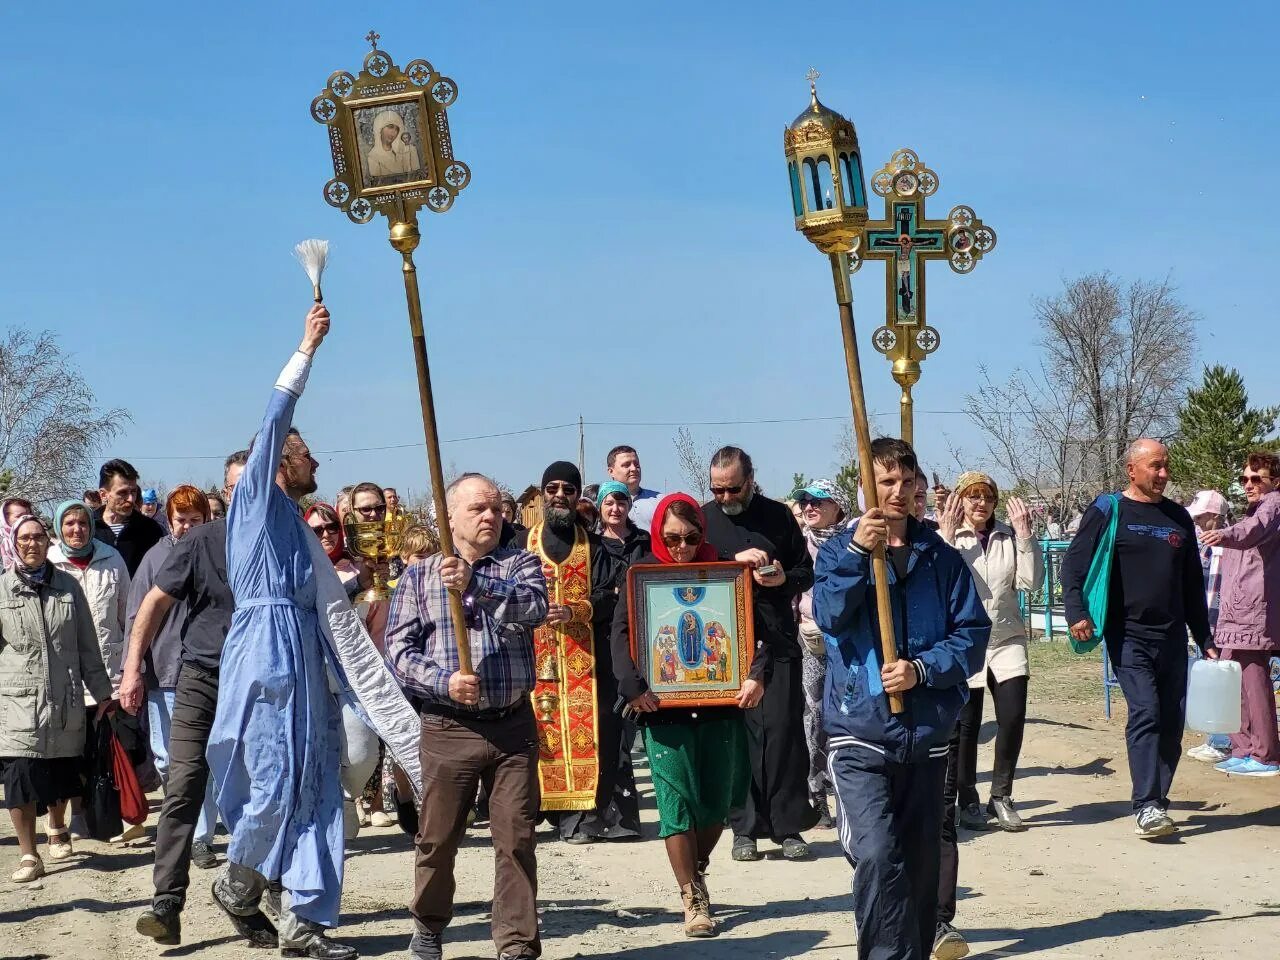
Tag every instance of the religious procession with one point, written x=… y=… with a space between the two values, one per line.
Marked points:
x=500 y=698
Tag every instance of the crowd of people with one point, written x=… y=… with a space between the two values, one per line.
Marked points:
x=231 y=639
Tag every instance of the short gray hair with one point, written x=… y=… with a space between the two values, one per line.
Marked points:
x=450 y=492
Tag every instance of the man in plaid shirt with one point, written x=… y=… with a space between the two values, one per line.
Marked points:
x=475 y=728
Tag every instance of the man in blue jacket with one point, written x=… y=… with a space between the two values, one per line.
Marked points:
x=888 y=770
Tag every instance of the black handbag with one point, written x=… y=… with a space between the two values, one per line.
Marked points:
x=101 y=799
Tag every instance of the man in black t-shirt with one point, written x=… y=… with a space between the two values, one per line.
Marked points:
x=1156 y=594
x=196 y=571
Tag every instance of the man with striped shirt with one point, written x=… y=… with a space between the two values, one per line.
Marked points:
x=476 y=728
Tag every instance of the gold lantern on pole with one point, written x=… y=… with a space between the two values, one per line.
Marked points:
x=829 y=198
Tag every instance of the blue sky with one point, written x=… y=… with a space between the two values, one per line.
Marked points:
x=625 y=251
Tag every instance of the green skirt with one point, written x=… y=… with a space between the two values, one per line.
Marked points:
x=700 y=772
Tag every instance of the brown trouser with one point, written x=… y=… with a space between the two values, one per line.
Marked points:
x=457 y=756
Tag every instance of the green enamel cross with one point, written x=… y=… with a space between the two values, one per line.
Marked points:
x=906 y=238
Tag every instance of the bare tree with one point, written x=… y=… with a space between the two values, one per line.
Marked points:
x=1126 y=351
x=694 y=462
x=51 y=426
x=1036 y=434
x=1115 y=362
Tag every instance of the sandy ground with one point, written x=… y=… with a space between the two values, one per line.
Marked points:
x=1077 y=884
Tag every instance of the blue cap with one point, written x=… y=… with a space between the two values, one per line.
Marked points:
x=149 y=496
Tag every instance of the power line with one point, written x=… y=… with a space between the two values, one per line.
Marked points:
x=565 y=426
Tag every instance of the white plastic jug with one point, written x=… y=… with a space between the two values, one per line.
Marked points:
x=1213 y=696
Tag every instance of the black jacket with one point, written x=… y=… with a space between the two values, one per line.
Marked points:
x=630 y=549
x=139 y=534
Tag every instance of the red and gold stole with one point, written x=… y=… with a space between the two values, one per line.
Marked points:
x=564 y=696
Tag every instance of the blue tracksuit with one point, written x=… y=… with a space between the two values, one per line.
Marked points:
x=888 y=770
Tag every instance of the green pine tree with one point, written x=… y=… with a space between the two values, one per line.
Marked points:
x=1216 y=431
x=846 y=482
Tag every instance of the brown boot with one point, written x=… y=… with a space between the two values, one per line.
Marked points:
x=697 y=920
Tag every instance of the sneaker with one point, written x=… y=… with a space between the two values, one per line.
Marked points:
x=1252 y=767
x=949 y=944
x=162 y=923
x=1229 y=766
x=744 y=849
x=380 y=818
x=1153 y=822
x=1208 y=754
x=202 y=855
x=794 y=848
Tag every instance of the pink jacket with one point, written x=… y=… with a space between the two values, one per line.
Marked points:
x=1249 y=602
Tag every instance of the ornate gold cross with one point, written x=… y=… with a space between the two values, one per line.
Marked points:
x=906 y=238
x=372 y=38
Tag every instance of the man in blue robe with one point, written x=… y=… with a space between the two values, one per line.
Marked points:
x=276 y=742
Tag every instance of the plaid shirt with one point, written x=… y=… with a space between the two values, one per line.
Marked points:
x=506 y=599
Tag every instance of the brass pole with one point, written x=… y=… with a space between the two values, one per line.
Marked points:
x=907 y=406
x=866 y=467
x=404 y=238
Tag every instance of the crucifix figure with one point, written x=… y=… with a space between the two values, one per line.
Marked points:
x=907 y=239
x=905 y=244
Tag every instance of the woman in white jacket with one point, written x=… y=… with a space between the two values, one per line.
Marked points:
x=103 y=577
x=1004 y=558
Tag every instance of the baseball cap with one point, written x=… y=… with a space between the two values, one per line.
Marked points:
x=822 y=490
x=1207 y=501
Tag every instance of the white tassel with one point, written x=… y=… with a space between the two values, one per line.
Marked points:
x=313 y=255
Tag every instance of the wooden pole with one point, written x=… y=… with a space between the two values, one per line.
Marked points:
x=405 y=237
x=907 y=407
x=866 y=466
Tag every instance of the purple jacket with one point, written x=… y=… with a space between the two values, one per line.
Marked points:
x=1249 y=604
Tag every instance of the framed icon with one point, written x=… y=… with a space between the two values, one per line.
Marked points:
x=692 y=631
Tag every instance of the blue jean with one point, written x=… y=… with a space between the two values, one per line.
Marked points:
x=159 y=720
x=1153 y=676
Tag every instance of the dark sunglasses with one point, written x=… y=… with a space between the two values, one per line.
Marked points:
x=327 y=528
x=813 y=501
x=674 y=540
x=568 y=489
x=732 y=491
x=1247 y=478
x=376 y=510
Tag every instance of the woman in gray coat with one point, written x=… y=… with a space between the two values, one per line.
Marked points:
x=48 y=655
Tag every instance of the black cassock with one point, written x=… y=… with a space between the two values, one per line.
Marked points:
x=778 y=803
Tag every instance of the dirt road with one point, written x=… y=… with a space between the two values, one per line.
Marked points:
x=1077 y=884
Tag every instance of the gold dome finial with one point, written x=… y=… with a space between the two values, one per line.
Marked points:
x=812 y=76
